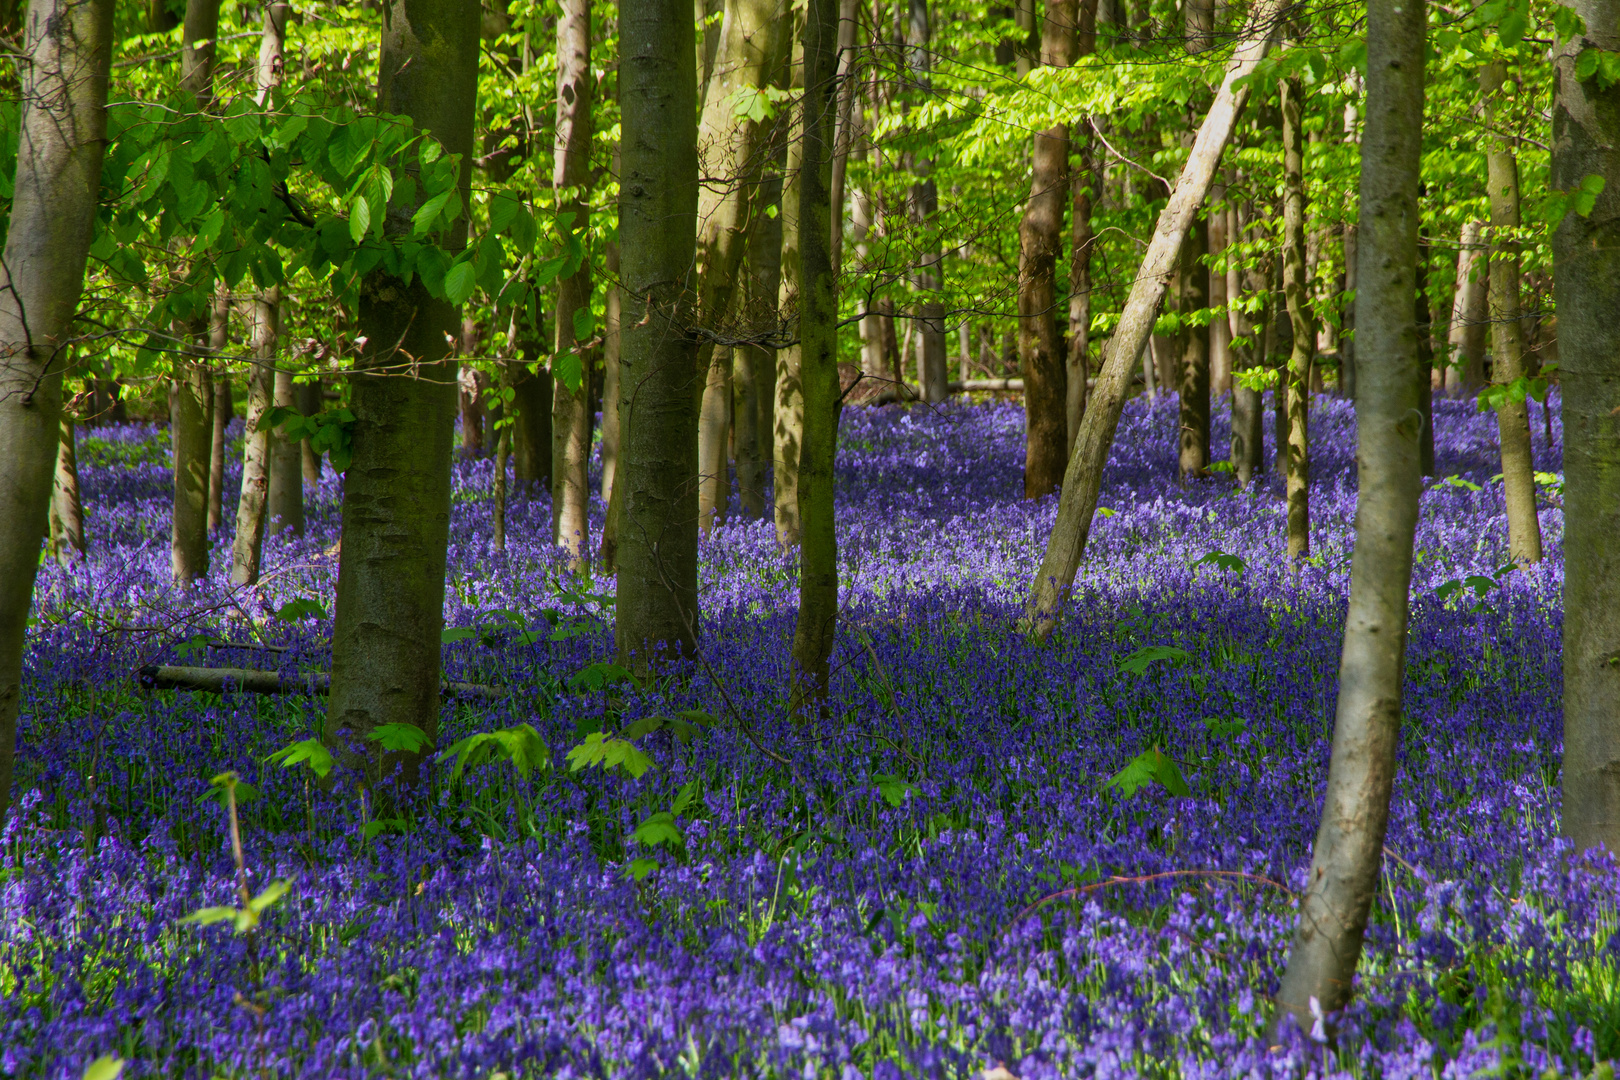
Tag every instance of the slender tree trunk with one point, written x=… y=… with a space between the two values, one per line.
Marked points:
x=470 y=397
x=1425 y=325
x=1220 y=327
x=67 y=512
x=1046 y=428
x=396 y=493
x=754 y=367
x=1248 y=411
x=1083 y=480
x=1347 y=340
x=1470 y=314
x=1087 y=185
x=531 y=425
x=788 y=433
x=1349 y=843
x=1507 y=332
x=247 y=549
x=199 y=34
x=1296 y=386
x=1586 y=280
x=571 y=415
x=503 y=449
x=929 y=277
x=818 y=334
x=658 y=191
x=610 y=373
x=191 y=399
x=221 y=417
x=61 y=134
x=286 y=467
x=1193 y=396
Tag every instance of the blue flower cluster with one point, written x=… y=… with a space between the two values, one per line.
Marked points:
x=935 y=879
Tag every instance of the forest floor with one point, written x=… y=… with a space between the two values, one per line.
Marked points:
x=977 y=859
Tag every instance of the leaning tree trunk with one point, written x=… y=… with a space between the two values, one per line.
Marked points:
x=731 y=147
x=1296 y=385
x=1040 y=237
x=61 y=135
x=788 y=423
x=67 y=512
x=1349 y=842
x=396 y=493
x=1470 y=314
x=1193 y=393
x=1507 y=333
x=286 y=466
x=571 y=413
x=658 y=537
x=1586 y=279
x=252 y=506
x=818 y=336
x=1083 y=480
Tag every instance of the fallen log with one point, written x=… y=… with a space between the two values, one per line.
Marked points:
x=254 y=681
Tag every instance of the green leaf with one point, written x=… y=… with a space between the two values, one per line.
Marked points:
x=608 y=753
x=894 y=789
x=567 y=370
x=1224 y=561
x=301 y=608
x=308 y=752
x=452 y=634
x=1459 y=482
x=270 y=896
x=658 y=829
x=684 y=797
x=1150 y=766
x=105 y=1067
x=459 y=282
x=595 y=677
x=640 y=868
x=583 y=324
x=359 y=218
x=401 y=738
x=373 y=829
x=1137 y=662
x=428 y=213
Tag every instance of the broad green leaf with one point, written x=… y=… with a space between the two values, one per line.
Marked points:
x=428 y=213
x=658 y=829
x=1137 y=662
x=308 y=752
x=1224 y=561
x=894 y=789
x=640 y=868
x=105 y=1067
x=459 y=282
x=301 y=608
x=451 y=634
x=1150 y=766
x=401 y=738
x=359 y=218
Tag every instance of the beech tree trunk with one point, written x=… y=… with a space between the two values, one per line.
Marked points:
x=220 y=415
x=531 y=411
x=396 y=493
x=818 y=336
x=1586 y=281
x=571 y=414
x=1220 y=327
x=67 y=512
x=1470 y=314
x=658 y=534
x=928 y=280
x=1083 y=479
x=191 y=399
x=252 y=506
x=1193 y=393
x=1347 y=340
x=1296 y=385
x=1507 y=332
x=788 y=423
x=1040 y=238
x=61 y=134
x=1086 y=183
x=286 y=466
x=1248 y=411
x=1349 y=843
x=610 y=373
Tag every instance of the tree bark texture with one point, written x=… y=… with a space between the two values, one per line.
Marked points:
x=531 y=426
x=1425 y=373
x=67 y=512
x=754 y=365
x=190 y=402
x=1470 y=314
x=1247 y=451
x=788 y=423
x=1507 y=332
x=199 y=35
x=1193 y=393
x=1086 y=182
x=658 y=197
x=1349 y=842
x=247 y=548
x=1083 y=479
x=929 y=278
x=818 y=336
x=396 y=493
x=571 y=415
x=611 y=429
x=61 y=133
x=286 y=466
x=1586 y=280
x=1347 y=339
x=1040 y=239
x=1296 y=384
x=220 y=420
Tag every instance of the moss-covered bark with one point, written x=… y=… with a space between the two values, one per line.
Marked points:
x=1295 y=387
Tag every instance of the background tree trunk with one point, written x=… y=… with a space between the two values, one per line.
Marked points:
x=61 y=134
x=1193 y=393
x=190 y=402
x=929 y=277
x=1470 y=314
x=611 y=430
x=1347 y=340
x=1083 y=479
x=67 y=512
x=1040 y=238
x=571 y=414
x=657 y=544
x=1586 y=279
x=788 y=423
x=286 y=466
x=754 y=366
x=1296 y=386
x=1349 y=843
x=247 y=548
x=818 y=334
x=1220 y=327
x=531 y=427
x=396 y=493
x=1507 y=332
x=220 y=415
x=1086 y=183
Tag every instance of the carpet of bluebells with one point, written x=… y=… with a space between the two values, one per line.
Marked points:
x=934 y=879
